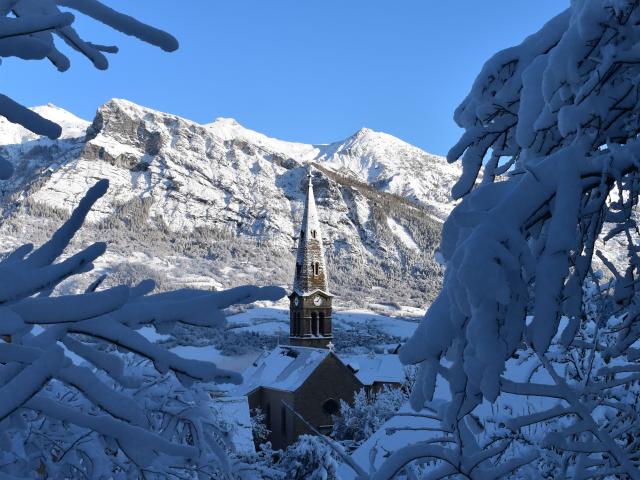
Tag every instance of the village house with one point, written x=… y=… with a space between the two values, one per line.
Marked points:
x=375 y=371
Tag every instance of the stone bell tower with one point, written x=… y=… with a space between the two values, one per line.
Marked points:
x=310 y=302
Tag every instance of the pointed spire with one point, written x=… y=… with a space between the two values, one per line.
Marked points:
x=310 y=267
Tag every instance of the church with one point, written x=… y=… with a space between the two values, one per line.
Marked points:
x=308 y=376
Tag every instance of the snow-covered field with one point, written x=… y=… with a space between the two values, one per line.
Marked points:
x=353 y=320
x=267 y=325
x=275 y=320
x=209 y=353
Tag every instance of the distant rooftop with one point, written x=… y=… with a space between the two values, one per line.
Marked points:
x=372 y=368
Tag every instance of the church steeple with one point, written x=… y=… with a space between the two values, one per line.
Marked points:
x=310 y=272
x=310 y=301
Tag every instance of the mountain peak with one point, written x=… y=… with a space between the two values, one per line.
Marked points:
x=229 y=128
x=364 y=132
x=62 y=117
x=225 y=121
x=368 y=136
x=122 y=105
x=72 y=126
x=121 y=102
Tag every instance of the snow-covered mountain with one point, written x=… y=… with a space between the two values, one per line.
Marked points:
x=218 y=204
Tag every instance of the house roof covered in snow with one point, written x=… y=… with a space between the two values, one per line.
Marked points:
x=235 y=410
x=285 y=368
x=372 y=368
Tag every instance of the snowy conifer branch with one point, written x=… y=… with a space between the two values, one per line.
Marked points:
x=462 y=450
x=131 y=421
x=549 y=155
x=592 y=429
x=560 y=107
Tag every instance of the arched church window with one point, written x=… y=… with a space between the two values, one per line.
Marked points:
x=330 y=406
x=283 y=418
x=313 y=233
x=317 y=268
x=314 y=323
x=267 y=415
x=321 y=323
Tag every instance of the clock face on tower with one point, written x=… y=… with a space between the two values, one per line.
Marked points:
x=317 y=301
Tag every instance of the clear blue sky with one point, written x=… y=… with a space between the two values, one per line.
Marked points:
x=312 y=71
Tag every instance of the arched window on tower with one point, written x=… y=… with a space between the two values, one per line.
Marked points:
x=314 y=323
x=317 y=268
x=322 y=332
x=313 y=233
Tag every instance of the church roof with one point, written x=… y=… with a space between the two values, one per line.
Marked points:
x=311 y=272
x=371 y=368
x=285 y=368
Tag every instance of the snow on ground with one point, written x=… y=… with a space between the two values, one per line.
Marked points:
x=262 y=320
x=256 y=316
x=403 y=234
x=235 y=410
x=267 y=328
x=209 y=353
x=274 y=321
x=352 y=319
x=150 y=334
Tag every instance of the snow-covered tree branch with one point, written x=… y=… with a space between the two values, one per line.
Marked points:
x=102 y=400
x=590 y=421
x=550 y=156
x=557 y=115
x=28 y=29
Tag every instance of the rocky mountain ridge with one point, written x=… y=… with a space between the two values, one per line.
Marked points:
x=219 y=204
